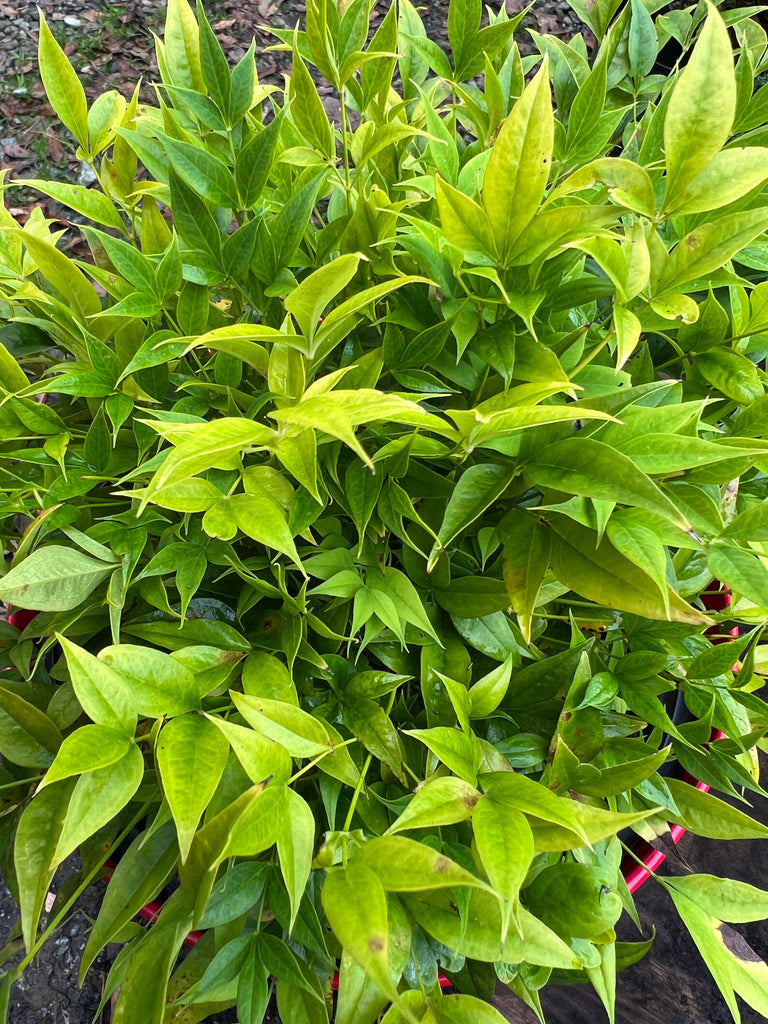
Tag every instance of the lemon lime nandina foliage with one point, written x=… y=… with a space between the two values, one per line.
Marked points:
x=383 y=463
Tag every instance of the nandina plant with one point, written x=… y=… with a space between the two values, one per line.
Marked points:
x=366 y=480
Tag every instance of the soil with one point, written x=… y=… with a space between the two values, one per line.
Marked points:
x=110 y=43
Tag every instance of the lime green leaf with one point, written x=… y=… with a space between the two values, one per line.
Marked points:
x=160 y=684
x=700 y=113
x=588 y=467
x=37 y=836
x=458 y=751
x=734 y=964
x=97 y=797
x=261 y=518
x=464 y=1009
x=300 y=733
x=84 y=750
x=505 y=844
x=191 y=755
x=264 y=675
x=465 y=222
x=731 y=175
x=295 y=847
x=182 y=46
x=308 y=301
x=518 y=168
x=707 y=248
x=724 y=898
x=87 y=201
x=706 y=815
x=260 y=756
x=356 y=907
x=404 y=865
x=440 y=801
x=206 y=446
x=487 y=693
x=62 y=86
x=103 y=694
x=53 y=578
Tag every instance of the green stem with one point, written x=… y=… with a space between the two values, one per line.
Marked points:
x=357 y=792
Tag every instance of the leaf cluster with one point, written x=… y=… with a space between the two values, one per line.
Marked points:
x=371 y=482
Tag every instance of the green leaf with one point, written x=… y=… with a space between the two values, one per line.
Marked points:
x=527 y=548
x=97 y=797
x=102 y=693
x=601 y=574
x=478 y=935
x=700 y=113
x=261 y=518
x=742 y=571
x=295 y=847
x=193 y=219
x=463 y=26
x=141 y=872
x=458 y=751
x=245 y=827
x=27 y=735
x=355 y=904
x=62 y=86
x=203 y=172
x=372 y=726
x=84 y=750
x=440 y=801
x=505 y=844
x=252 y=990
x=724 y=898
x=37 y=836
x=53 y=578
x=706 y=815
x=518 y=169
x=307 y=109
x=235 y=893
x=143 y=990
x=254 y=162
x=588 y=467
x=478 y=488
x=191 y=754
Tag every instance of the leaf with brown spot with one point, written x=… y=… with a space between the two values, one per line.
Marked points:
x=403 y=865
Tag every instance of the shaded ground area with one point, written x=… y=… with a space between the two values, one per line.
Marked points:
x=110 y=43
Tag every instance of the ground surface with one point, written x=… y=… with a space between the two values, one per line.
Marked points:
x=110 y=43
